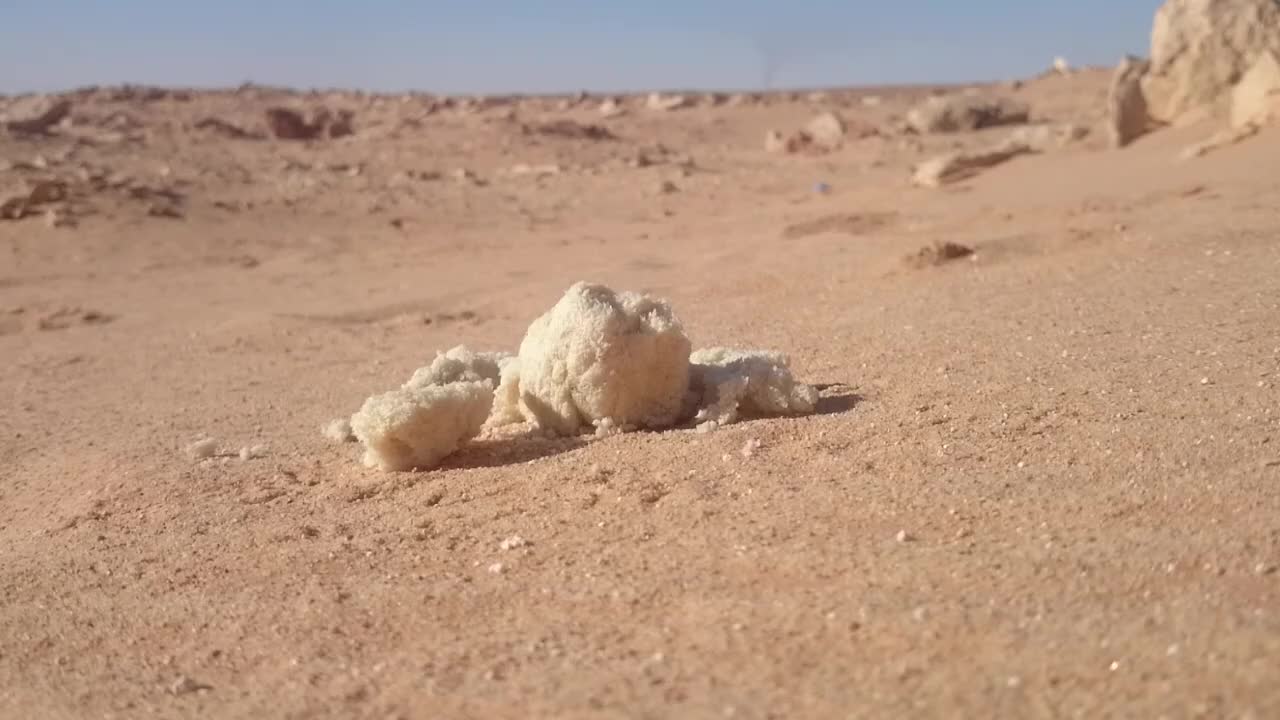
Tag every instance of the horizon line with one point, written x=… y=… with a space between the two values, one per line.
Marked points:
x=297 y=89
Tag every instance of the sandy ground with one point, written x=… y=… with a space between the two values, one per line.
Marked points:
x=1043 y=481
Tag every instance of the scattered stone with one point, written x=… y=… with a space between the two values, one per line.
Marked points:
x=44 y=192
x=1061 y=66
x=1127 y=115
x=165 y=210
x=286 y=124
x=47 y=191
x=570 y=130
x=962 y=113
x=13 y=208
x=872 y=101
x=464 y=175
x=40 y=123
x=822 y=134
x=226 y=129
x=1256 y=98
x=750 y=448
x=185 y=686
x=406 y=178
x=666 y=103
x=66 y=317
x=775 y=142
x=512 y=543
x=341 y=124
x=1041 y=138
x=957 y=166
x=497 y=568
x=56 y=218
x=203 y=449
x=610 y=109
x=846 y=223
x=826 y=131
x=799 y=142
x=938 y=253
x=666 y=187
x=522 y=169
x=1201 y=48
x=905 y=537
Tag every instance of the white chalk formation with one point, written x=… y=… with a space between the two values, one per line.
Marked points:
x=598 y=361
x=461 y=365
x=415 y=428
x=727 y=384
x=604 y=357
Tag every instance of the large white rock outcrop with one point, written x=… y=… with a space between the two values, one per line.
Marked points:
x=1201 y=48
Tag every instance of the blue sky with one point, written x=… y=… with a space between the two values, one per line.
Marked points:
x=554 y=45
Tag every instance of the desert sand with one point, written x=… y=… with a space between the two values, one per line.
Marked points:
x=1043 y=479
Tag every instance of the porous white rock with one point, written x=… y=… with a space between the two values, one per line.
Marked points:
x=600 y=358
x=459 y=364
x=415 y=427
x=726 y=383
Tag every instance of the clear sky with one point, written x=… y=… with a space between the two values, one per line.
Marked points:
x=555 y=45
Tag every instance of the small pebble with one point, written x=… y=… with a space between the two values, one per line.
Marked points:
x=185 y=685
x=203 y=449
x=513 y=542
x=497 y=568
x=750 y=447
x=904 y=536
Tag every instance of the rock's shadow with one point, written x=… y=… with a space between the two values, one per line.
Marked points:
x=837 y=398
x=502 y=452
x=498 y=452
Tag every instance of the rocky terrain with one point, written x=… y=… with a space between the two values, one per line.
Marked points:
x=1041 y=480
